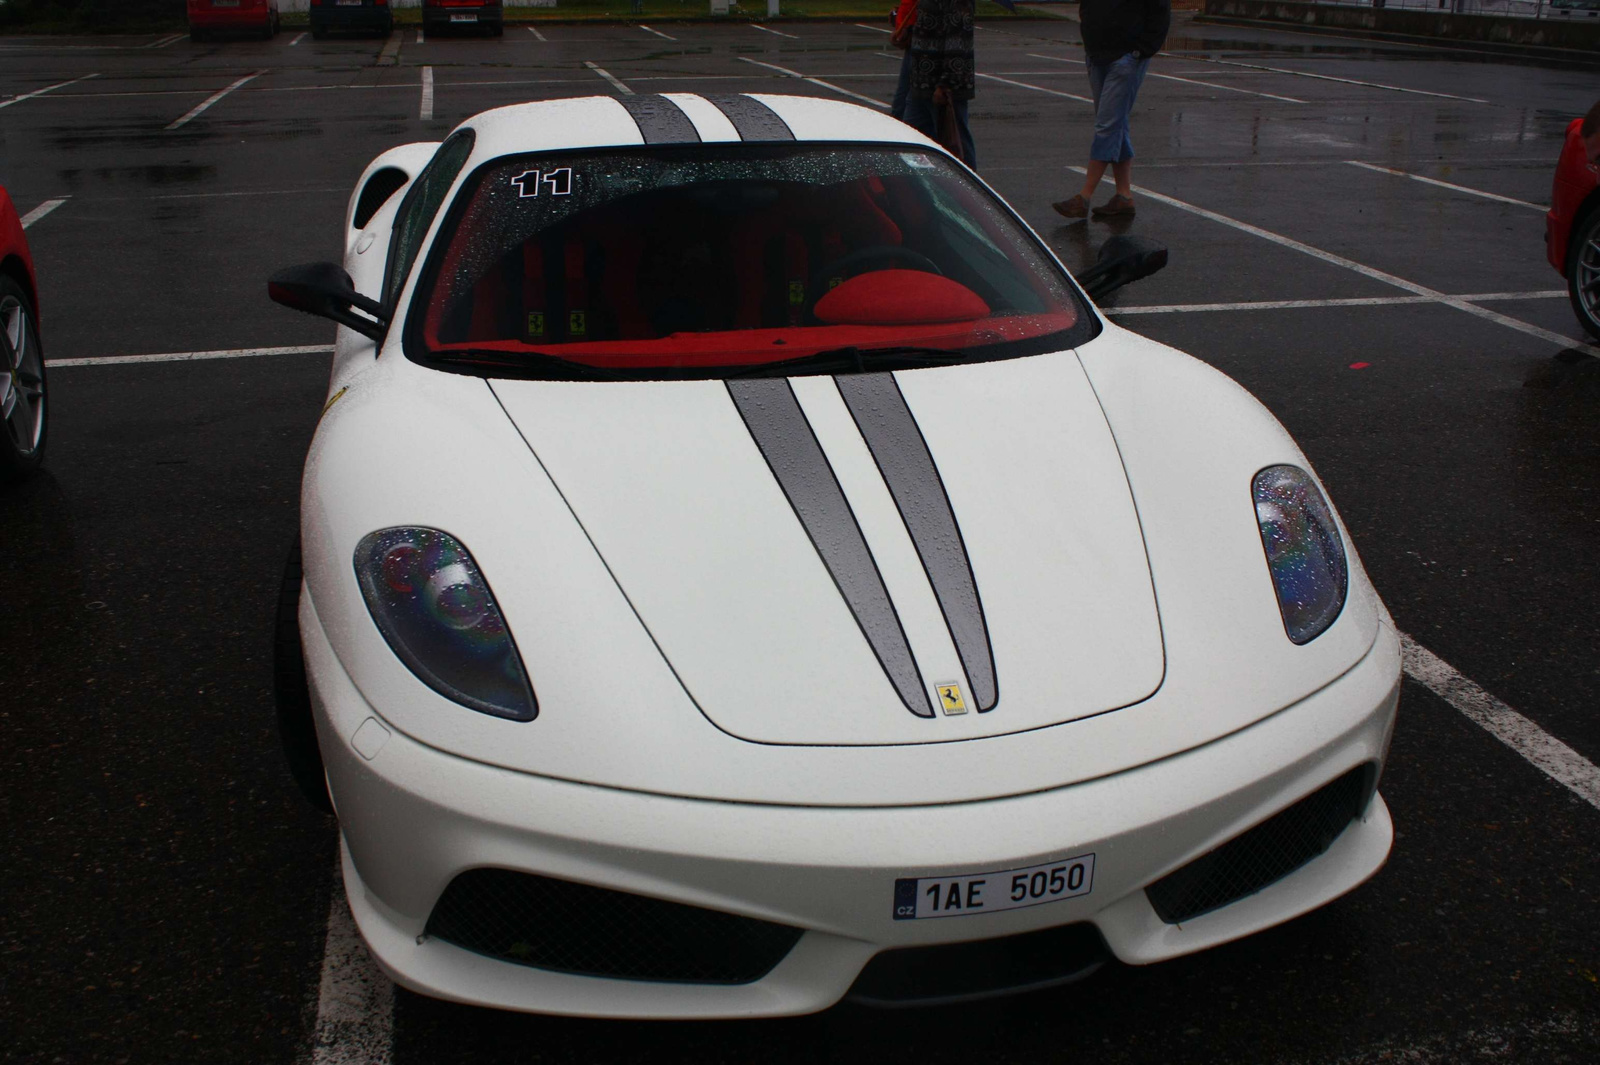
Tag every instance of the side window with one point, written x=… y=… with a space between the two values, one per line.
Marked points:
x=416 y=211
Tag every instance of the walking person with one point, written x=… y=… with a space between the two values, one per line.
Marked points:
x=943 y=74
x=1119 y=37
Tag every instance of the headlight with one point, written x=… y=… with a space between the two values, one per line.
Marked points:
x=1304 y=551
x=435 y=609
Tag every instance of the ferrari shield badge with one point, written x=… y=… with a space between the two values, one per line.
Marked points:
x=950 y=699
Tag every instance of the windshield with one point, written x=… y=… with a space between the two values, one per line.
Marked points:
x=720 y=261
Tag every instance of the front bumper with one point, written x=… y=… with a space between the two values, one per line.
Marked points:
x=413 y=818
x=352 y=19
x=434 y=20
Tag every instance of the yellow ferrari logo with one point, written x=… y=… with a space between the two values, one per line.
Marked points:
x=797 y=292
x=950 y=699
x=536 y=323
x=577 y=323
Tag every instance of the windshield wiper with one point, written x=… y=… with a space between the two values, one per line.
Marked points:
x=533 y=364
x=853 y=359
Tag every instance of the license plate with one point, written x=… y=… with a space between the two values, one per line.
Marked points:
x=224 y=3
x=347 y=3
x=1009 y=889
x=463 y=18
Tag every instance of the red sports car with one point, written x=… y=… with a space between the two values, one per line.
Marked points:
x=1572 y=226
x=21 y=357
x=211 y=16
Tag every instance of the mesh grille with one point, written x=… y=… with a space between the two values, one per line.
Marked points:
x=574 y=928
x=1266 y=853
x=956 y=972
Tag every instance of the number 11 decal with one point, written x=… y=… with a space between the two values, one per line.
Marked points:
x=529 y=182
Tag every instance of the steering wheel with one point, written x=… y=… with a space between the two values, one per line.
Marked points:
x=864 y=255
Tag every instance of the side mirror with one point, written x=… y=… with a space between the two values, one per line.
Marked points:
x=1121 y=260
x=325 y=290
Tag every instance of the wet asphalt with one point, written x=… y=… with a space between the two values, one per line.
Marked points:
x=165 y=891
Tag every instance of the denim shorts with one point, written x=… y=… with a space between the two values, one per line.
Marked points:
x=1115 y=86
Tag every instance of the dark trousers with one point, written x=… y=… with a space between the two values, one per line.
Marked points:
x=902 y=88
x=921 y=117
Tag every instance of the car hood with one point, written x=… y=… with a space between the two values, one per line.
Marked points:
x=924 y=556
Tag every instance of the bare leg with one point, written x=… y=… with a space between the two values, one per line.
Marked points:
x=1092 y=175
x=1123 y=173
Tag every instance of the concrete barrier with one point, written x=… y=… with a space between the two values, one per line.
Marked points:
x=1484 y=29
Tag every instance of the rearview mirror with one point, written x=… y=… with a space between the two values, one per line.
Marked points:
x=325 y=290
x=1122 y=260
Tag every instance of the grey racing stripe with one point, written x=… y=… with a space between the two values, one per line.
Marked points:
x=660 y=120
x=754 y=120
x=896 y=442
x=780 y=430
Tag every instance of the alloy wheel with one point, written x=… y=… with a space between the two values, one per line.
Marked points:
x=22 y=380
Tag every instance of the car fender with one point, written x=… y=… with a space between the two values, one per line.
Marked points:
x=407 y=159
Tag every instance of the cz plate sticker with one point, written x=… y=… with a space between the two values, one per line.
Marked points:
x=1010 y=889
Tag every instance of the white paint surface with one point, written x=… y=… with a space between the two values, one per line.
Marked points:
x=192 y=356
x=1554 y=758
x=615 y=83
x=1445 y=184
x=658 y=33
x=818 y=81
x=779 y=33
x=47 y=88
x=355 y=1001
x=40 y=211
x=201 y=107
x=1436 y=296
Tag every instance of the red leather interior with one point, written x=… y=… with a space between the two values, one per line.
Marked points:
x=900 y=297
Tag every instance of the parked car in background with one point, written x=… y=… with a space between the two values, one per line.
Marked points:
x=21 y=357
x=207 y=17
x=1572 y=225
x=372 y=16
x=463 y=14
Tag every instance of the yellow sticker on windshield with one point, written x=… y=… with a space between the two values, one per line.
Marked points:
x=576 y=324
x=536 y=323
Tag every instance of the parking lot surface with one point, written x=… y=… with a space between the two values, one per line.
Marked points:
x=1355 y=232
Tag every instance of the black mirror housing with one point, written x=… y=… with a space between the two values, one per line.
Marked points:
x=325 y=290
x=1122 y=260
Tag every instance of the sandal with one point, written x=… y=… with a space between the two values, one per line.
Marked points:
x=1116 y=207
x=1077 y=207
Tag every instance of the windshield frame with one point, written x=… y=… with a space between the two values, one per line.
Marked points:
x=496 y=365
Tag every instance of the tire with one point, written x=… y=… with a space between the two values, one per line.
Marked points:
x=23 y=389
x=296 y=728
x=1583 y=271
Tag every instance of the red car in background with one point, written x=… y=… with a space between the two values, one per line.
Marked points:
x=21 y=357
x=438 y=15
x=211 y=16
x=1572 y=226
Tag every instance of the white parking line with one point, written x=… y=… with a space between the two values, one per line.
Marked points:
x=420 y=38
x=390 y=53
x=874 y=29
x=780 y=33
x=1038 y=88
x=1445 y=184
x=1186 y=81
x=658 y=33
x=425 y=112
x=1361 y=301
x=615 y=84
x=193 y=356
x=164 y=41
x=213 y=98
x=1412 y=287
x=1327 y=77
x=297 y=39
x=40 y=211
x=1558 y=761
x=355 y=1001
x=817 y=81
x=47 y=88
x=536 y=33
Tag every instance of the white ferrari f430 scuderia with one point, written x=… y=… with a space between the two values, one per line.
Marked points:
x=740 y=569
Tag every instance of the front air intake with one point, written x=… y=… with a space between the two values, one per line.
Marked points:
x=574 y=928
x=1266 y=853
